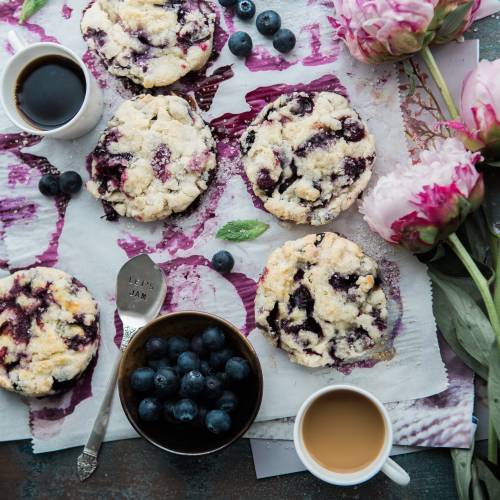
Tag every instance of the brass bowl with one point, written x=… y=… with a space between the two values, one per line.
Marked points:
x=179 y=438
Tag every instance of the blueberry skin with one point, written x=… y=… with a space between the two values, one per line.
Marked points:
x=245 y=9
x=227 y=402
x=237 y=368
x=166 y=382
x=205 y=368
x=268 y=22
x=176 y=345
x=218 y=421
x=240 y=44
x=214 y=388
x=168 y=410
x=142 y=379
x=284 y=40
x=48 y=185
x=223 y=261
x=227 y=3
x=156 y=347
x=218 y=359
x=70 y=182
x=222 y=376
x=185 y=410
x=192 y=384
x=187 y=361
x=150 y=410
x=202 y=413
x=157 y=364
x=213 y=338
x=197 y=346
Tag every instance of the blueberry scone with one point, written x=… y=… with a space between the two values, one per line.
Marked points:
x=308 y=156
x=320 y=300
x=49 y=331
x=154 y=158
x=152 y=42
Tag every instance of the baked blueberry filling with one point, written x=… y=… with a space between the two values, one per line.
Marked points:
x=354 y=167
x=302 y=105
x=159 y=162
x=319 y=239
x=108 y=167
x=249 y=140
x=302 y=299
x=343 y=283
x=319 y=140
x=98 y=36
x=360 y=334
x=289 y=180
x=298 y=275
x=353 y=130
x=272 y=319
x=265 y=182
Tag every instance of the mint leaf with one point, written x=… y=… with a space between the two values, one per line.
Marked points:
x=30 y=7
x=241 y=230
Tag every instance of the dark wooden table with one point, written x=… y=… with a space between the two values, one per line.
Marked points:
x=133 y=469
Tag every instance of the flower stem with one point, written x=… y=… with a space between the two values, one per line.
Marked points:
x=495 y=247
x=440 y=81
x=492 y=443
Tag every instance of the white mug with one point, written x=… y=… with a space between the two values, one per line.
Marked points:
x=88 y=115
x=381 y=463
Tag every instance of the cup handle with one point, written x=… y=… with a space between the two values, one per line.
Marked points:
x=16 y=41
x=395 y=472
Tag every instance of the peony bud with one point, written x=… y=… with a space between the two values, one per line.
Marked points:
x=419 y=206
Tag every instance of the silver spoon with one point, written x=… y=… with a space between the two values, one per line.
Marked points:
x=140 y=292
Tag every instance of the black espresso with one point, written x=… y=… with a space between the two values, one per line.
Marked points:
x=50 y=91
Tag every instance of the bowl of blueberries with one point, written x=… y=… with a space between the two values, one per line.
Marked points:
x=190 y=383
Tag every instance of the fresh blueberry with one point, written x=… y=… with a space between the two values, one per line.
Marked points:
x=213 y=388
x=202 y=414
x=227 y=402
x=205 y=368
x=245 y=9
x=192 y=384
x=223 y=261
x=142 y=379
x=49 y=185
x=176 y=345
x=156 y=347
x=213 y=338
x=150 y=410
x=240 y=44
x=187 y=361
x=218 y=421
x=185 y=410
x=227 y=3
x=237 y=368
x=70 y=182
x=218 y=359
x=222 y=376
x=284 y=40
x=156 y=364
x=168 y=410
x=268 y=22
x=197 y=346
x=166 y=382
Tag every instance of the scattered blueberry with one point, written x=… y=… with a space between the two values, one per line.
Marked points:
x=176 y=345
x=185 y=410
x=166 y=382
x=227 y=402
x=213 y=388
x=70 y=182
x=240 y=44
x=142 y=379
x=150 y=410
x=227 y=3
x=49 y=185
x=197 y=346
x=205 y=368
x=284 y=40
x=156 y=364
x=156 y=347
x=218 y=421
x=268 y=22
x=218 y=359
x=192 y=384
x=187 y=361
x=223 y=261
x=213 y=338
x=245 y=9
x=237 y=368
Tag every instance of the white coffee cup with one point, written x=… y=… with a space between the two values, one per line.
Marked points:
x=381 y=463
x=90 y=111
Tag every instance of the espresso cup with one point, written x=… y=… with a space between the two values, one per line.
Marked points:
x=91 y=108
x=381 y=462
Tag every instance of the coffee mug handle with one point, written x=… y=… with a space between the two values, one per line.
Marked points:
x=16 y=41
x=395 y=472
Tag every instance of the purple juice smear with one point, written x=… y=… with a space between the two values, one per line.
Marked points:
x=95 y=66
x=66 y=11
x=14 y=210
x=317 y=57
x=18 y=174
x=262 y=60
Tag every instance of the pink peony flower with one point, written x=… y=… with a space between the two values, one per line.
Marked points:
x=383 y=30
x=479 y=127
x=421 y=205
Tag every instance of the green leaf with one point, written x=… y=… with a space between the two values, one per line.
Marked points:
x=30 y=7
x=462 y=460
x=241 y=230
x=473 y=330
x=491 y=482
x=453 y=22
x=494 y=388
x=410 y=74
x=476 y=232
